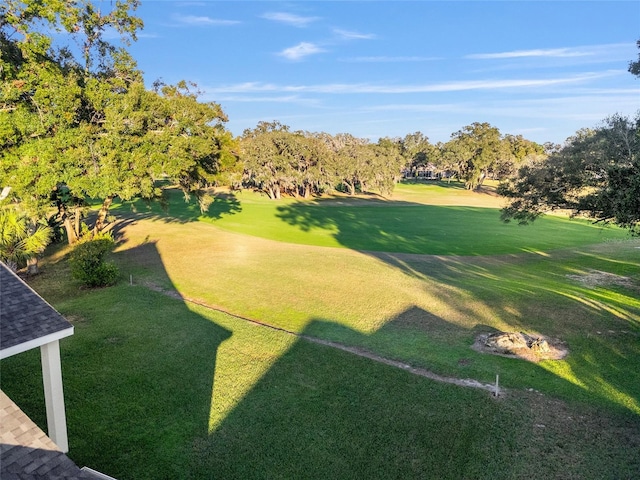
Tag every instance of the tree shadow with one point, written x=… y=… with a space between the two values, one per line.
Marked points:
x=175 y=208
x=600 y=326
x=318 y=411
x=526 y=292
x=323 y=412
x=409 y=228
x=138 y=376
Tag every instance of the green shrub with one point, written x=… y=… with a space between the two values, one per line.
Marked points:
x=88 y=264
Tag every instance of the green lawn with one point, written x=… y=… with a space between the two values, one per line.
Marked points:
x=157 y=389
x=160 y=388
x=399 y=226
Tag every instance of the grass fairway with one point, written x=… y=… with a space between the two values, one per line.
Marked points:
x=157 y=387
x=397 y=225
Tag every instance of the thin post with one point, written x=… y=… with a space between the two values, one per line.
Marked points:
x=53 y=394
x=497 y=391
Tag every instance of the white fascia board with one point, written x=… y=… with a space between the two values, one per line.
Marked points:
x=35 y=343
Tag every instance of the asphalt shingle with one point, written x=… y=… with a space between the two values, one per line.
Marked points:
x=26 y=453
x=24 y=315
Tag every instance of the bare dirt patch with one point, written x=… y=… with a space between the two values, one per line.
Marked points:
x=597 y=278
x=532 y=348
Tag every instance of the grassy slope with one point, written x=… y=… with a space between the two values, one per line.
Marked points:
x=160 y=389
x=421 y=309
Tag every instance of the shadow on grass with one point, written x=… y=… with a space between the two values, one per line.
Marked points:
x=409 y=228
x=139 y=380
x=600 y=325
x=320 y=412
x=138 y=377
x=451 y=185
x=175 y=208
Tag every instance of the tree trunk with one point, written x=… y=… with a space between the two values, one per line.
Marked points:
x=71 y=233
x=76 y=221
x=72 y=237
x=102 y=215
x=350 y=187
x=32 y=265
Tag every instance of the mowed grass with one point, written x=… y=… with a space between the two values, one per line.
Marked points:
x=160 y=388
x=405 y=224
x=425 y=310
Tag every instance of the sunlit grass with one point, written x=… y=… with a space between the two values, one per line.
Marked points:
x=420 y=226
x=159 y=388
x=426 y=310
x=156 y=388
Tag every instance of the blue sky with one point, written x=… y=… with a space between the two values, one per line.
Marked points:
x=387 y=68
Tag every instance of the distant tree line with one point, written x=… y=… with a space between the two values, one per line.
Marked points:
x=278 y=161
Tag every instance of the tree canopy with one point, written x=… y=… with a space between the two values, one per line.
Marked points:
x=77 y=124
x=278 y=161
x=596 y=173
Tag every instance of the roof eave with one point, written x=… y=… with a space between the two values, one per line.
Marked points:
x=35 y=343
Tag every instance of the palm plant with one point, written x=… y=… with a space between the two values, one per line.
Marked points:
x=21 y=239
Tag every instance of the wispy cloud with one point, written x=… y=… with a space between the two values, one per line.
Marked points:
x=590 y=106
x=553 y=52
x=350 y=35
x=290 y=19
x=195 y=20
x=566 y=52
x=385 y=59
x=300 y=51
x=294 y=99
x=365 y=88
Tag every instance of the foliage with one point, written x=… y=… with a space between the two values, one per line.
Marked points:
x=634 y=67
x=73 y=128
x=278 y=161
x=418 y=151
x=21 y=239
x=596 y=173
x=88 y=265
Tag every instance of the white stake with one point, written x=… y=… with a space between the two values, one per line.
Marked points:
x=497 y=388
x=130 y=279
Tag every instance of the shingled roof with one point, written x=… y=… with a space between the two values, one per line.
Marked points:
x=26 y=319
x=26 y=453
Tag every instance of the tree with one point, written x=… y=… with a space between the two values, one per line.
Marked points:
x=386 y=162
x=519 y=151
x=348 y=164
x=267 y=163
x=21 y=240
x=476 y=148
x=87 y=127
x=149 y=135
x=418 y=151
x=596 y=173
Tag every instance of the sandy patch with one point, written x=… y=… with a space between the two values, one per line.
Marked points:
x=532 y=348
x=597 y=278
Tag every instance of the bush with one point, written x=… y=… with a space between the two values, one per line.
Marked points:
x=89 y=266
